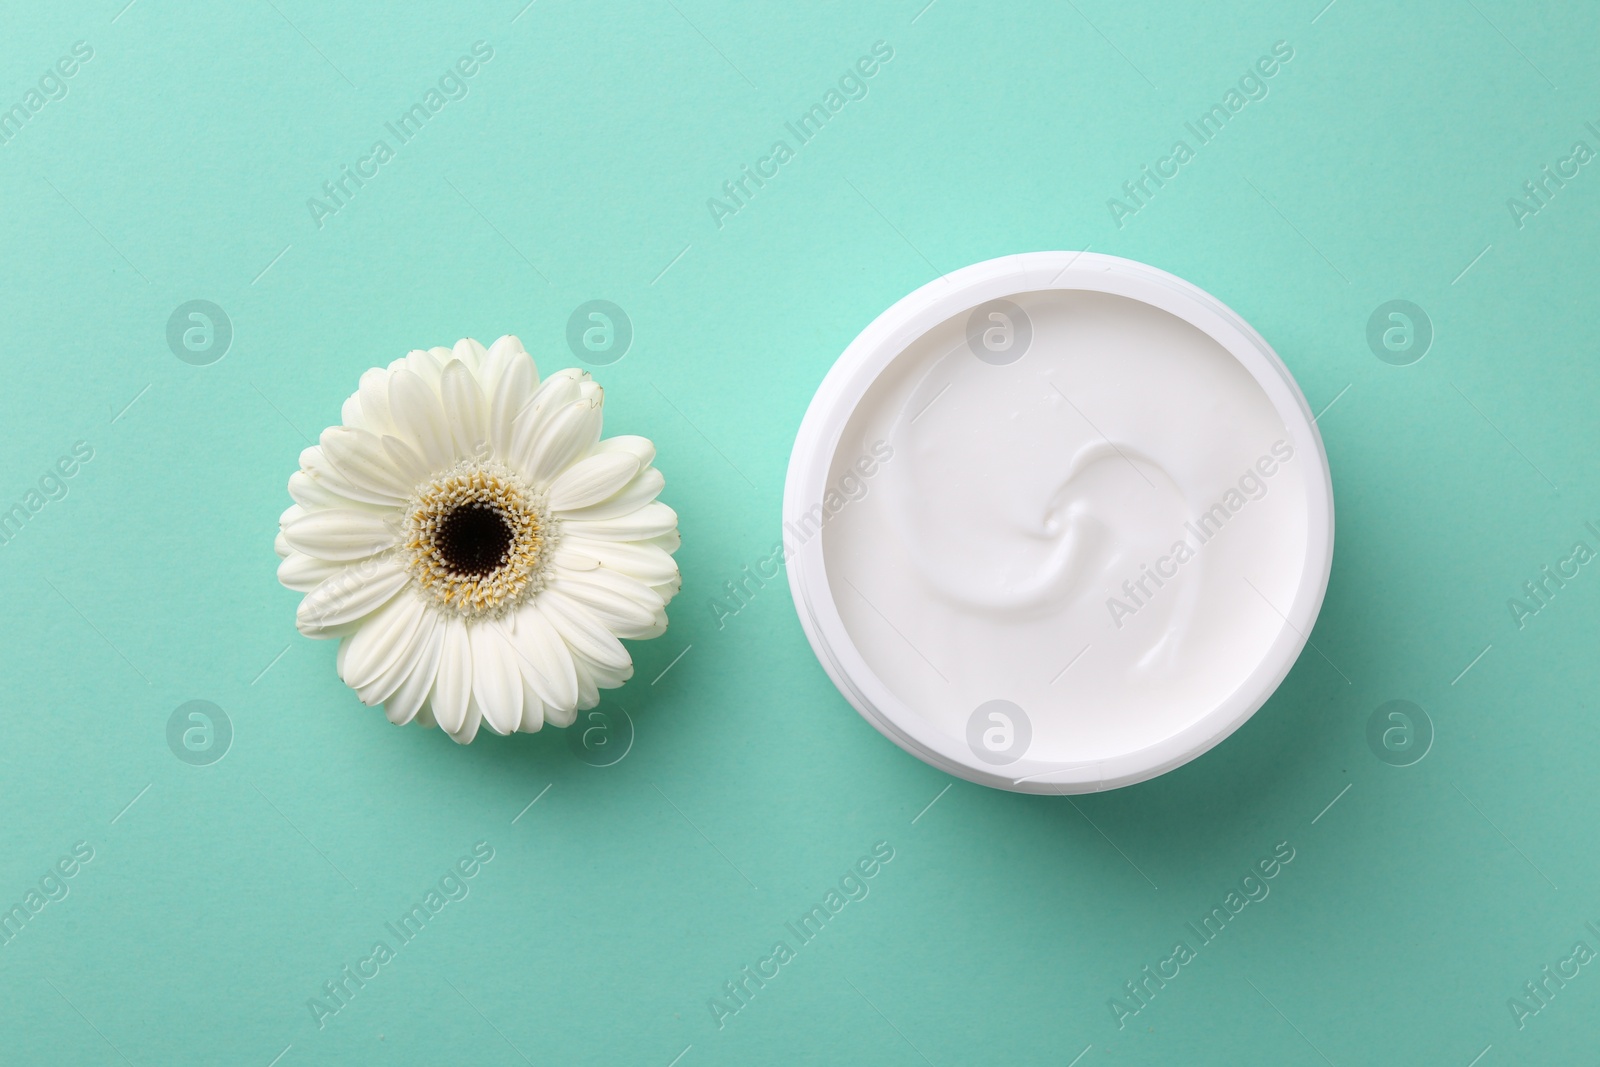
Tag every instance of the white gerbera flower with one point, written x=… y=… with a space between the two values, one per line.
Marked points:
x=474 y=544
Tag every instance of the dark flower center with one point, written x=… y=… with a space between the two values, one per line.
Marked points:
x=473 y=539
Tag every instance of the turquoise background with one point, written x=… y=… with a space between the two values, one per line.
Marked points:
x=220 y=898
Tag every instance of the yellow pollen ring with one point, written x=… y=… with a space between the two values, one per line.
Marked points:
x=520 y=572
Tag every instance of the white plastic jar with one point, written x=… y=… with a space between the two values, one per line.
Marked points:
x=1058 y=522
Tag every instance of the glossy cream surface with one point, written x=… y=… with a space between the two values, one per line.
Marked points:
x=1101 y=531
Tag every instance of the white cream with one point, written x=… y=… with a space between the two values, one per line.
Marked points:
x=1107 y=533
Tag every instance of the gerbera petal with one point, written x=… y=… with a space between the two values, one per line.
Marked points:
x=426 y=365
x=636 y=559
x=543 y=658
x=380 y=641
x=419 y=418
x=591 y=480
x=341 y=533
x=556 y=442
x=465 y=409
x=303 y=573
x=565 y=715
x=360 y=457
x=532 y=710
x=568 y=557
x=409 y=696
x=657 y=627
x=580 y=629
x=644 y=488
x=506 y=353
x=316 y=462
x=496 y=358
x=507 y=395
x=620 y=583
x=469 y=352
x=496 y=682
x=349 y=596
x=423 y=644
x=452 y=689
x=588 y=691
x=551 y=395
x=470 y=722
x=350 y=413
x=312 y=494
x=373 y=396
x=560 y=388
x=620 y=604
x=640 y=448
x=413 y=469
x=603 y=677
x=651 y=521
x=570 y=435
